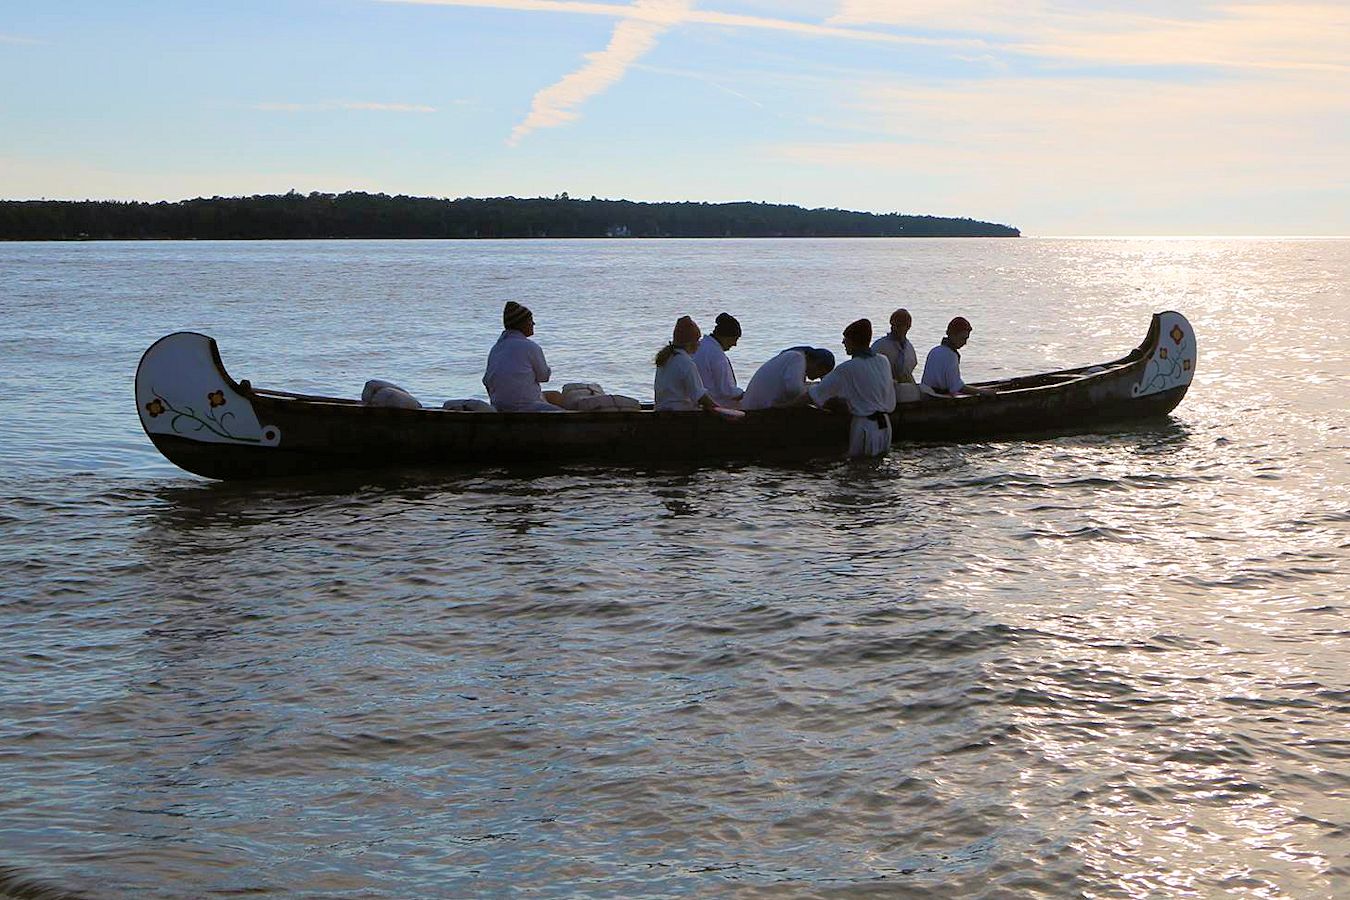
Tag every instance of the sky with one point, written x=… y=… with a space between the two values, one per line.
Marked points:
x=1059 y=118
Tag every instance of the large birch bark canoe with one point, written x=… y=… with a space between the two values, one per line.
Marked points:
x=204 y=421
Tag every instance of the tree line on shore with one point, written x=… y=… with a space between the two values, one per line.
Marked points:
x=361 y=215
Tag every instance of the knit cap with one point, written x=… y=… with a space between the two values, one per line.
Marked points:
x=514 y=316
x=686 y=331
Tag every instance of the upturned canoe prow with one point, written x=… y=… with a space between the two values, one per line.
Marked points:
x=204 y=421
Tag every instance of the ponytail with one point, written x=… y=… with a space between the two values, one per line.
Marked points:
x=665 y=354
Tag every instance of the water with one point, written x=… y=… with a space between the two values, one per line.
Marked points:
x=1109 y=665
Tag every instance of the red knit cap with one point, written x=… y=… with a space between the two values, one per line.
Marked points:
x=686 y=331
x=959 y=324
x=859 y=332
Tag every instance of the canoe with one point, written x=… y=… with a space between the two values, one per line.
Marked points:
x=204 y=421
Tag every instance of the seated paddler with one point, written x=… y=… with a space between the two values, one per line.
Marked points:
x=861 y=385
x=942 y=366
x=678 y=386
x=896 y=347
x=782 y=381
x=516 y=367
x=713 y=365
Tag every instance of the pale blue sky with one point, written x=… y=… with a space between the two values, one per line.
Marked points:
x=1060 y=118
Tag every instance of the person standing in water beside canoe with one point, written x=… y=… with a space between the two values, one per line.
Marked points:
x=863 y=386
x=516 y=367
x=678 y=386
x=942 y=367
x=897 y=349
x=713 y=366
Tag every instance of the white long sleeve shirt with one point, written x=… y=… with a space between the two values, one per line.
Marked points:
x=901 y=355
x=715 y=369
x=677 y=385
x=515 y=369
x=942 y=370
x=864 y=382
x=778 y=382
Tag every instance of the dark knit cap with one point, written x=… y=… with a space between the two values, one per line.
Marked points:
x=514 y=315
x=727 y=326
x=860 y=332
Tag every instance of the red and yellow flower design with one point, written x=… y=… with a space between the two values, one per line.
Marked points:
x=216 y=398
x=156 y=407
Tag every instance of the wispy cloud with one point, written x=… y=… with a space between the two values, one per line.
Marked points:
x=1096 y=149
x=705 y=17
x=632 y=38
x=17 y=39
x=358 y=106
x=639 y=26
x=1294 y=36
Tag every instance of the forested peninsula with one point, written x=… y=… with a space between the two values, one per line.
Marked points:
x=361 y=215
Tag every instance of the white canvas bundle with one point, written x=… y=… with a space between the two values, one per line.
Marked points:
x=469 y=405
x=606 y=403
x=575 y=393
x=384 y=393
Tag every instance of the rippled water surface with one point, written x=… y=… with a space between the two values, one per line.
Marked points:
x=1109 y=665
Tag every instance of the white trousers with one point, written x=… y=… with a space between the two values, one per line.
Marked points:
x=867 y=438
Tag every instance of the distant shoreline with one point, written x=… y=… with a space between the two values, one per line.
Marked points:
x=361 y=216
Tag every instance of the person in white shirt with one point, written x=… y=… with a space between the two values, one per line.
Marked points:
x=863 y=386
x=897 y=349
x=782 y=380
x=714 y=367
x=942 y=366
x=516 y=367
x=677 y=386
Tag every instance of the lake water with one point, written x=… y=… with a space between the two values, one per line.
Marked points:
x=1109 y=665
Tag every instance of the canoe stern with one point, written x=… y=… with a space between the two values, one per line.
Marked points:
x=183 y=391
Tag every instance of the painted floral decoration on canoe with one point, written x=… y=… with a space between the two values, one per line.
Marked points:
x=1167 y=369
x=187 y=420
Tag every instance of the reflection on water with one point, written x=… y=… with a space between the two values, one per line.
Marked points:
x=1110 y=663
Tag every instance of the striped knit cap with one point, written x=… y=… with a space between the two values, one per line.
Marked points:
x=514 y=316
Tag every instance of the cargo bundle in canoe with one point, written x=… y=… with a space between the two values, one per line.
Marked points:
x=204 y=421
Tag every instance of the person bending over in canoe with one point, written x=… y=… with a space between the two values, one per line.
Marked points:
x=863 y=386
x=678 y=386
x=714 y=367
x=516 y=367
x=897 y=349
x=942 y=367
x=782 y=380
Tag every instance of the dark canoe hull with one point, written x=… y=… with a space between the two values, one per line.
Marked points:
x=206 y=423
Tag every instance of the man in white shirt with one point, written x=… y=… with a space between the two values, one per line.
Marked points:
x=516 y=366
x=677 y=385
x=863 y=386
x=942 y=367
x=713 y=365
x=897 y=349
x=782 y=380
